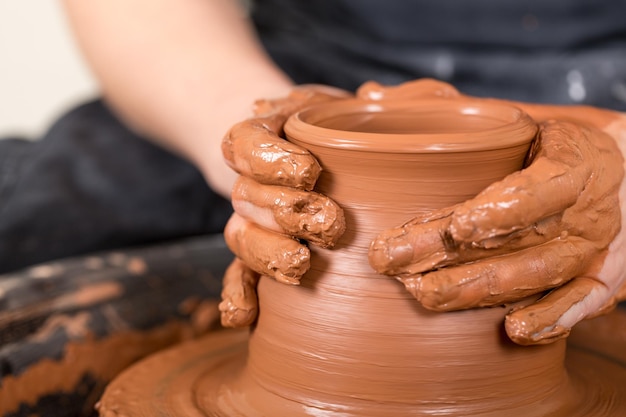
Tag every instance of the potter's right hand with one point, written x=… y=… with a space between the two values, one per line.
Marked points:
x=554 y=226
x=273 y=202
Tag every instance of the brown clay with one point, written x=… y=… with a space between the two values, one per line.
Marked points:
x=254 y=149
x=304 y=214
x=286 y=260
x=239 y=306
x=350 y=342
x=189 y=380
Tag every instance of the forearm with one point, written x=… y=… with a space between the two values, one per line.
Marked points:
x=179 y=71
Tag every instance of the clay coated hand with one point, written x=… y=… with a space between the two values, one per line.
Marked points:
x=554 y=225
x=273 y=202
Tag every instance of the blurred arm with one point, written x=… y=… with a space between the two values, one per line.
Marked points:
x=179 y=71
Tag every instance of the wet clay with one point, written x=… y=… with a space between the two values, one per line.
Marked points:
x=350 y=342
x=239 y=306
x=199 y=373
x=286 y=260
x=309 y=215
x=253 y=148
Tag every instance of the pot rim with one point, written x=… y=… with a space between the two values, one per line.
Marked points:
x=517 y=127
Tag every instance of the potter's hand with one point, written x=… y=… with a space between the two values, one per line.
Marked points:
x=273 y=202
x=555 y=224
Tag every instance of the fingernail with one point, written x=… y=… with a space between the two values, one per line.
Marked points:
x=440 y=292
x=526 y=329
x=430 y=297
x=387 y=257
x=435 y=300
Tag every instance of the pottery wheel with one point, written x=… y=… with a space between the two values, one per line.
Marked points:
x=196 y=378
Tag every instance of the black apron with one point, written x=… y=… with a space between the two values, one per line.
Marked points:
x=558 y=51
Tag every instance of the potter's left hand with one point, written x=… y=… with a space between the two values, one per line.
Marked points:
x=554 y=225
x=275 y=207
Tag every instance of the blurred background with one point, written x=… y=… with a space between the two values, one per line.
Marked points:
x=41 y=71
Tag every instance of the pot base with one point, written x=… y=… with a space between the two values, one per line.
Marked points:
x=205 y=378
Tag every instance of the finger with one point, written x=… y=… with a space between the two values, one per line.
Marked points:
x=254 y=149
x=422 y=88
x=554 y=180
x=502 y=279
x=552 y=317
x=303 y=214
x=422 y=245
x=265 y=252
x=300 y=96
x=239 y=306
x=417 y=246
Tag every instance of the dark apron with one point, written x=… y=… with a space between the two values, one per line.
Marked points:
x=560 y=51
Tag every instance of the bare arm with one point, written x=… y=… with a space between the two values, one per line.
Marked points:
x=179 y=71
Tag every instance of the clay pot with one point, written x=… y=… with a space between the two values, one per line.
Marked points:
x=353 y=341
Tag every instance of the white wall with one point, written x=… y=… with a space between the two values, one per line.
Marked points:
x=41 y=71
